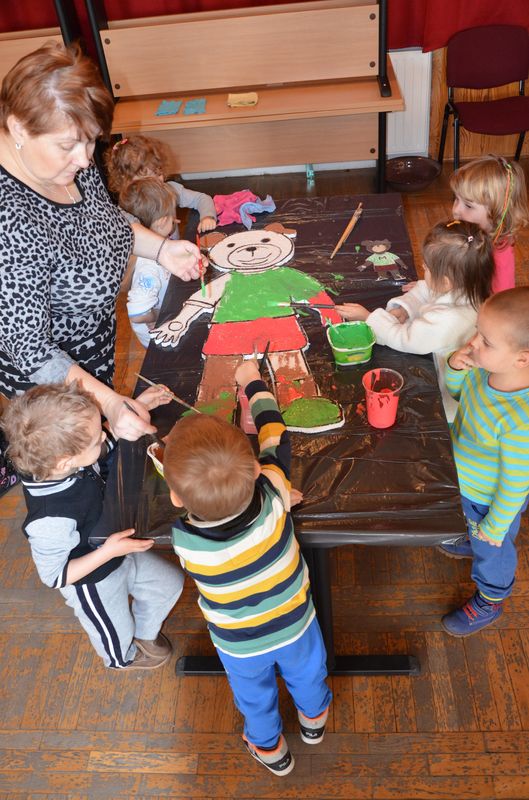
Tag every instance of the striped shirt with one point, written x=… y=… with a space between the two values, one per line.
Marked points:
x=252 y=579
x=490 y=437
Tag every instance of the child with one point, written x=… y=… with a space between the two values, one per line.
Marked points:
x=56 y=441
x=439 y=312
x=153 y=204
x=490 y=377
x=142 y=157
x=491 y=192
x=237 y=541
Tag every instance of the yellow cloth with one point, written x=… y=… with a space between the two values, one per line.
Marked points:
x=242 y=99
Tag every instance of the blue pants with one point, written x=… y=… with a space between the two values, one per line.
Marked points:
x=493 y=568
x=302 y=666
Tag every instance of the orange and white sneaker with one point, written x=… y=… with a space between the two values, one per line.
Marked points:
x=280 y=760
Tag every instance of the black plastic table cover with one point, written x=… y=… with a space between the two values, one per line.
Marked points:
x=360 y=485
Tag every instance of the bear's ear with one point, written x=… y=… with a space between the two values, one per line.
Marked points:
x=277 y=227
x=367 y=243
x=210 y=239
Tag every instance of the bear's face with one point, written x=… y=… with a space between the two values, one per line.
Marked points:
x=252 y=251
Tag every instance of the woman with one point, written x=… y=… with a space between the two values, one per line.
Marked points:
x=64 y=245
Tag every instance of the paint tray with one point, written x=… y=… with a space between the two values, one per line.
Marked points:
x=351 y=343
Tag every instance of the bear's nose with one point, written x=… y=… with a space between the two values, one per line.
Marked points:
x=251 y=249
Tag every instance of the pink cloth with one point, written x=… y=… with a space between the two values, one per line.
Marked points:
x=227 y=205
x=504 y=271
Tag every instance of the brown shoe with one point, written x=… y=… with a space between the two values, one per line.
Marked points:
x=158 y=648
x=144 y=661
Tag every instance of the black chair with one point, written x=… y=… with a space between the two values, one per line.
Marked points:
x=482 y=58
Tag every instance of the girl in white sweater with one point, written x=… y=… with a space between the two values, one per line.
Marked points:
x=439 y=314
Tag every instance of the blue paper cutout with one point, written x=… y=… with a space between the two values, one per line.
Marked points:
x=167 y=107
x=195 y=106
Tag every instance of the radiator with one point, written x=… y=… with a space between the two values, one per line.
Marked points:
x=409 y=130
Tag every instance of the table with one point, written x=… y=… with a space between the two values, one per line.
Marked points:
x=361 y=485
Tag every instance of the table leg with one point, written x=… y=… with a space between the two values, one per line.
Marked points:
x=317 y=559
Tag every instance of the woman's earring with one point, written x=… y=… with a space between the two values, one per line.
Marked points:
x=18 y=146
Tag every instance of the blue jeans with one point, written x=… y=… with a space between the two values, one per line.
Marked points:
x=493 y=568
x=253 y=681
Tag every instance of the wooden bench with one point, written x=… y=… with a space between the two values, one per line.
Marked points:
x=319 y=69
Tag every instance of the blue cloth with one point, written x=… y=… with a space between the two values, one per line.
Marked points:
x=168 y=107
x=195 y=106
x=303 y=666
x=255 y=208
x=493 y=568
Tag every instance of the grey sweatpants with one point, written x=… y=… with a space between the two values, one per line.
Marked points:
x=103 y=608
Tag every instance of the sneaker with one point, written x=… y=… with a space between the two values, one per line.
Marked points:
x=280 y=760
x=159 y=647
x=475 y=615
x=312 y=729
x=143 y=661
x=461 y=548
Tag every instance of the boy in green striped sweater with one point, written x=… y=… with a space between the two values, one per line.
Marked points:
x=490 y=378
x=237 y=542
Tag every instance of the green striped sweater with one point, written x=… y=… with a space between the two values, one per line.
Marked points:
x=490 y=436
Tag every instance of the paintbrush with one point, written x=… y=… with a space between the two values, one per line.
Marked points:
x=160 y=442
x=201 y=268
x=173 y=395
x=306 y=305
x=264 y=359
x=345 y=235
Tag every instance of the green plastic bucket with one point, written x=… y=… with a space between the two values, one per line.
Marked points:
x=351 y=342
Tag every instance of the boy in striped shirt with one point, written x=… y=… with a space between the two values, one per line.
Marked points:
x=490 y=378
x=237 y=542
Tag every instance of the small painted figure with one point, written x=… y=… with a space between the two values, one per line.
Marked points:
x=382 y=260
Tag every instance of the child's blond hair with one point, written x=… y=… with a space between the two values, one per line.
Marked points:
x=513 y=306
x=499 y=185
x=461 y=252
x=134 y=157
x=210 y=465
x=148 y=199
x=46 y=424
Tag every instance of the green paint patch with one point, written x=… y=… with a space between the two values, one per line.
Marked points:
x=312 y=413
x=223 y=407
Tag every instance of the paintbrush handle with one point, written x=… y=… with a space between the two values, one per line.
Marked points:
x=352 y=222
x=173 y=395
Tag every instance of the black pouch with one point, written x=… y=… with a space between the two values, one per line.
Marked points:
x=8 y=475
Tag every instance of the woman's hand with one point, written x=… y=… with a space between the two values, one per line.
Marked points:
x=181 y=258
x=296 y=497
x=352 y=312
x=124 y=423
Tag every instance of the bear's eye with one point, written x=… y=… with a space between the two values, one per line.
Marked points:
x=231 y=244
x=265 y=240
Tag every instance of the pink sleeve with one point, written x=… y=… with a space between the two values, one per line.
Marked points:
x=503 y=277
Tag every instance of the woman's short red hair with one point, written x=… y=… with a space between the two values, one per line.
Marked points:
x=53 y=84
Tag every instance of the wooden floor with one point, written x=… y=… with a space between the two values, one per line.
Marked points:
x=71 y=729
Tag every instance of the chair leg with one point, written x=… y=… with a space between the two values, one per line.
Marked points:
x=442 y=141
x=519 y=146
x=456 y=142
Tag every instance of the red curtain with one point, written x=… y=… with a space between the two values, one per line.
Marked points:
x=430 y=23
x=411 y=23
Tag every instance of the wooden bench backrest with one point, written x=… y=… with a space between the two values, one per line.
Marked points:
x=292 y=43
x=13 y=46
